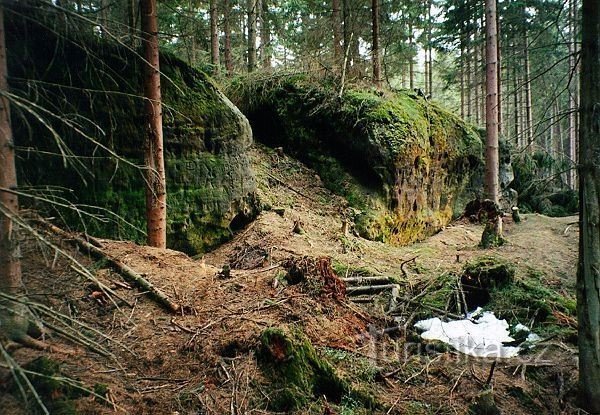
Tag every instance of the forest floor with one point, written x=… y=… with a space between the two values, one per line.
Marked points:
x=203 y=360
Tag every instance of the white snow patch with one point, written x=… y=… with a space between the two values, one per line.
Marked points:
x=481 y=334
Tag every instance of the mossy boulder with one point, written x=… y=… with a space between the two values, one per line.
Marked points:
x=85 y=100
x=404 y=163
x=299 y=375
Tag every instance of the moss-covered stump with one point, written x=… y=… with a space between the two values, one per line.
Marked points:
x=298 y=375
x=401 y=161
x=86 y=88
x=481 y=277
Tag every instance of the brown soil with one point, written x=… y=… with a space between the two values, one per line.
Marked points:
x=202 y=361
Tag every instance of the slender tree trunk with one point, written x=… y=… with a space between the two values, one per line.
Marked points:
x=375 y=52
x=528 y=104
x=429 y=79
x=483 y=79
x=516 y=109
x=265 y=35
x=571 y=176
x=469 y=81
x=500 y=96
x=588 y=271
x=476 y=78
x=462 y=80
x=214 y=36
x=132 y=13
x=227 y=30
x=12 y=324
x=336 y=21
x=156 y=194
x=251 y=35
x=411 y=62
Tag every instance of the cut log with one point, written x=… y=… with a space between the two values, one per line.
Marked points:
x=125 y=270
x=369 y=289
x=366 y=280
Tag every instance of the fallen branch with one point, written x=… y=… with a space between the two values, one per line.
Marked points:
x=369 y=280
x=126 y=271
x=413 y=259
x=369 y=289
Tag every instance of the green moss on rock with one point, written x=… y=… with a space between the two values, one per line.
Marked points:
x=402 y=161
x=210 y=184
x=299 y=375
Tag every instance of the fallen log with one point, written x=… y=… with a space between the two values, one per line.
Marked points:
x=126 y=271
x=369 y=289
x=366 y=280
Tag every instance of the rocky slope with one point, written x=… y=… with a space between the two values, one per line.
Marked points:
x=79 y=127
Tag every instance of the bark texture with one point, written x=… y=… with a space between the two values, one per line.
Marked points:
x=491 y=113
x=156 y=195
x=214 y=35
x=336 y=18
x=251 y=35
x=588 y=273
x=11 y=324
x=376 y=54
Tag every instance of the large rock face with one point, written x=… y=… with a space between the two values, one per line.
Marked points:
x=84 y=97
x=403 y=163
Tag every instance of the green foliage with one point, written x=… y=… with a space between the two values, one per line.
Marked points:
x=538 y=190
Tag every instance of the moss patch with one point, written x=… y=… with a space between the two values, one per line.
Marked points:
x=299 y=375
x=401 y=161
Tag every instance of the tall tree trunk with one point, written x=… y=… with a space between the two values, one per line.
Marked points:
x=375 y=52
x=336 y=21
x=499 y=51
x=10 y=256
x=214 y=36
x=132 y=21
x=588 y=271
x=411 y=62
x=572 y=118
x=516 y=108
x=491 y=113
x=429 y=79
x=156 y=193
x=265 y=35
x=492 y=233
x=476 y=77
x=251 y=35
x=227 y=30
x=469 y=81
x=461 y=61
x=348 y=35
x=528 y=104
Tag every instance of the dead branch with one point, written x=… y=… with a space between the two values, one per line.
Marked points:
x=366 y=280
x=413 y=259
x=369 y=289
x=126 y=271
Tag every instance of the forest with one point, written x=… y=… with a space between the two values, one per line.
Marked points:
x=332 y=207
